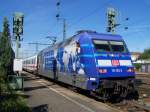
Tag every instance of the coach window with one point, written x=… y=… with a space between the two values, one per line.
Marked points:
x=33 y=61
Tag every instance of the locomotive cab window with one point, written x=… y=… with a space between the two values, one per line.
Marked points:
x=117 y=46
x=101 y=45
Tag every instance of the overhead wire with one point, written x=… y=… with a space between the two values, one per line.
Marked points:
x=88 y=15
x=91 y=13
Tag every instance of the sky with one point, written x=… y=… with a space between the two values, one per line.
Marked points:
x=40 y=20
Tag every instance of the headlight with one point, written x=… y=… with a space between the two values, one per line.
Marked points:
x=130 y=70
x=103 y=71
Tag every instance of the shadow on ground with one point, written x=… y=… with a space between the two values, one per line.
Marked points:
x=34 y=88
x=29 y=78
x=26 y=89
x=40 y=108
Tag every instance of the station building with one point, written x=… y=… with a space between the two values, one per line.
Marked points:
x=145 y=66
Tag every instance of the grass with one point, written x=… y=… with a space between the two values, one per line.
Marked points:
x=13 y=103
x=11 y=100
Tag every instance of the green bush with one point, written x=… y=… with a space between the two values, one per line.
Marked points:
x=137 y=66
x=9 y=100
x=13 y=103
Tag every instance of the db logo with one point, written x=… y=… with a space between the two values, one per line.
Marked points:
x=115 y=62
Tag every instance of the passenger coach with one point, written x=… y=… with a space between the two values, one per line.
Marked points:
x=30 y=64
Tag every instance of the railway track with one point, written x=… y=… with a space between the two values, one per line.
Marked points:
x=142 y=84
x=143 y=87
x=140 y=107
x=130 y=106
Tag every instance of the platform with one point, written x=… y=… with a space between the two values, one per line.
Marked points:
x=45 y=96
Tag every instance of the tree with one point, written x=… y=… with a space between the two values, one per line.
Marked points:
x=146 y=54
x=9 y=100
x=6 y=52
x=137 y=66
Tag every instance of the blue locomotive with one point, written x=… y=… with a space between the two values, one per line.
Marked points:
x=99 y=63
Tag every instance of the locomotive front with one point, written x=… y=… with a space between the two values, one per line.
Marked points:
x=115 y=68
x=114 y=74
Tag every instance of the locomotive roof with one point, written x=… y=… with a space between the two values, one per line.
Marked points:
x=88 y=34
x=95 y=35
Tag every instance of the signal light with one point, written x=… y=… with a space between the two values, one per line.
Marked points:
x=57 y=16
x=58 y=3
